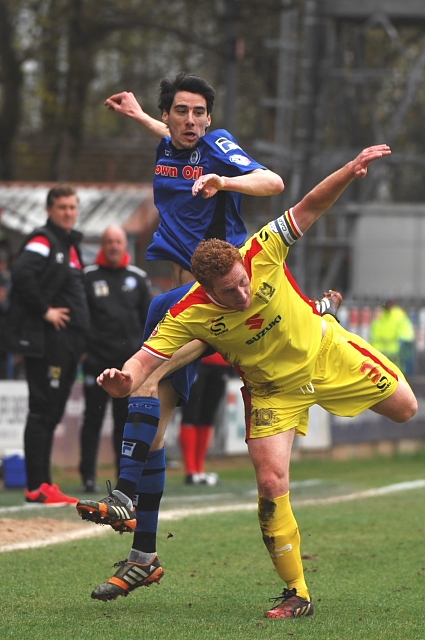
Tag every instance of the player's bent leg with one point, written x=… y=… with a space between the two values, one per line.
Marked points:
x=270 y=456
x=140 y=431
x=400 y=406
x=168 y=400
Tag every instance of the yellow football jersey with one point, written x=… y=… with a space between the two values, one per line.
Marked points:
x=273 y=344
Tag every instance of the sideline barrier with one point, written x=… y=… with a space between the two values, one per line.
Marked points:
x=326 y=432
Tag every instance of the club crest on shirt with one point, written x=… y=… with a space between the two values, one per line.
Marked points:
x=265 y=292
x=54 y=375
x=195 y=156
x=130 y=283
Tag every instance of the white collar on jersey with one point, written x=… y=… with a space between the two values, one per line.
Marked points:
x=216 y=301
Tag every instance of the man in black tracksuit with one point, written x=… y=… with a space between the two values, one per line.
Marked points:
x=49 y=320
x=118 y=295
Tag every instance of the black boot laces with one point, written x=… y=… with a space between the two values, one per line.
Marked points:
x=285 y=595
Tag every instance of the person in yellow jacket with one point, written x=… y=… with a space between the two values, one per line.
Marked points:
x=393 y=334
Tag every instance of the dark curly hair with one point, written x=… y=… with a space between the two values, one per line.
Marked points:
x=213 y=259
x=184 y=82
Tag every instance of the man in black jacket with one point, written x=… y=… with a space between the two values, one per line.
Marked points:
x=49 y=311
x=118 y=296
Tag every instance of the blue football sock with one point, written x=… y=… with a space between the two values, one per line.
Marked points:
x=147 y=500
x=139 y=433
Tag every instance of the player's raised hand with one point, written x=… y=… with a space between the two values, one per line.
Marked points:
x=115 y=382
x=208 y=185
x=365 y=157
x=124 y=102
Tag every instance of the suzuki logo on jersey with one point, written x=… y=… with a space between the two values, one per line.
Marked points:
x=218 y=326
x=255 y=322
x=263 y=332
x=226 y=145
x=374 y=373
x=265 y=292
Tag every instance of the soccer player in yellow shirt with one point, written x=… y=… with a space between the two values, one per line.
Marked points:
x=249 y=308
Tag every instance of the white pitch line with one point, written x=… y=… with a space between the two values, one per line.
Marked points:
x=369 y=493
x=33 y=507
x=177 y=514
x=165 y=500
x=76 y=534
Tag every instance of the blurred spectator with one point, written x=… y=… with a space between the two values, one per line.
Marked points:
x=197 y=421
x=4 y=304
x=392 y=333
x=11 y=365
x=5 y=264
x=47 y=322
x=118 y=296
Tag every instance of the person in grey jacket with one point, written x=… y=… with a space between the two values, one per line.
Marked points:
x=118 y=295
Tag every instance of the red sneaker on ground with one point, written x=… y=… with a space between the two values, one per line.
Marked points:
x=49 y=494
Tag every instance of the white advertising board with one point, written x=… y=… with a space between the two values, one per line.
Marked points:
x=13 y=415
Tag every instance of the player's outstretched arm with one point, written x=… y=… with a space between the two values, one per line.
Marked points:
x=327 y=192
x=126 y=103
x=121 y=383
x=191 y=351
x=260 y=182
x=143 y=371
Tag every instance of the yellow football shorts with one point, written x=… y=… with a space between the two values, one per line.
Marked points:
x=349 y=377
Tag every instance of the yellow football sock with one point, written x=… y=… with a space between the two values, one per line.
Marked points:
x=282 y=539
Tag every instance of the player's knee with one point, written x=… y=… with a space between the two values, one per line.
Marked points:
x=411 y=409
x=408 y=409
x=272 y=486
